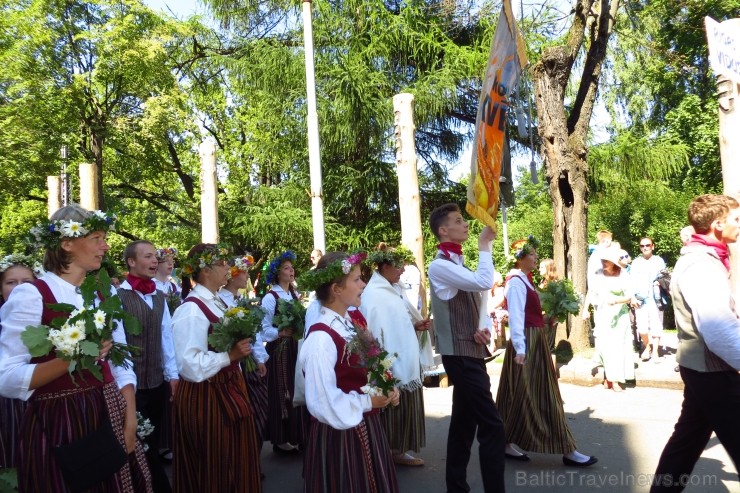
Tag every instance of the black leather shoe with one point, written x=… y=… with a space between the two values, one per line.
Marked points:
x=520 y=458
x=571 y=463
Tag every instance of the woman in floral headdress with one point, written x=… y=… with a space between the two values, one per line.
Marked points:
x=215 y=437
x=14 y=271
x=286 y=425
x=395 y=322
x=346 y=448
x=528 y=395
x=62 y=410
x=257 y=379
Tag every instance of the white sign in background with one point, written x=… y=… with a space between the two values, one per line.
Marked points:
x=723 y=39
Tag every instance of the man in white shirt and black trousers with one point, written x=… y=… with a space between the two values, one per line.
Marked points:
x=155 y=365
x=462 y=342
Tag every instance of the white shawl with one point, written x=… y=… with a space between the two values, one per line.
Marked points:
x=390 y=321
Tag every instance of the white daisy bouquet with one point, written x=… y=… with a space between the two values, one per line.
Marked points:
x=78 y=336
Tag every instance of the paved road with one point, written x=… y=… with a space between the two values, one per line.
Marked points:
x=626 y=431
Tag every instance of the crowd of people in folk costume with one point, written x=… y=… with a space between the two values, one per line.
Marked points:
x=209 y=411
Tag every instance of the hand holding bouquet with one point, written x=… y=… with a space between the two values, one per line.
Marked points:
x=238 y=323
x=559 y=299
x=290 y=315
x=79 y=336
x=372 y=356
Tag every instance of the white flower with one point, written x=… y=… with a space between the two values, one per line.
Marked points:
x=99 y=319
x=73 y=334
x=346 y=266
x=371 y=390
x=386 y=363
x=73 y=229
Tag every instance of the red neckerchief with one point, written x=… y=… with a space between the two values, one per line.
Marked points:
x=144 y=286
x=448 y=247
x=719 y=248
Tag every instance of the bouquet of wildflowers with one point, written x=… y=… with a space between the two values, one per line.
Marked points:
x=290 y=315
x=372 y=356
x=78 y=337
x=237 y=323
x=559 y=299
x=144 y=428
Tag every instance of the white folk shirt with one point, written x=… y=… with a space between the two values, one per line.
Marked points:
x=270 y=333
x=325 y=401
x=23 y=308
x=195 y=362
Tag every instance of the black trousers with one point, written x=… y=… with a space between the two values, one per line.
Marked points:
x=711 y=403
x=151 y=403
x=473 y=410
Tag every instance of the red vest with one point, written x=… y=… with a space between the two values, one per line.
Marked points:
x=532 y=308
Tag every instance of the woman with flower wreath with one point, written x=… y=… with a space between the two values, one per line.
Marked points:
x=286 y=425
x=256 y=380
x=528 y=394
x=62 y=411
x=14 y=270
x=395 y=322
x=215 y=437
x=346 y=448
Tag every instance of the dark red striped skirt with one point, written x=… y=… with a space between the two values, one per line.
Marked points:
x=257 y=390
x=215 y=441
x=62 y=417
x=357 y=460
x=285 y=423
x=11 y=413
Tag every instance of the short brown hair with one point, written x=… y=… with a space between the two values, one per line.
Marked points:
x=438 y=217
x=57 y=260
x=131 y=248
x=705 y=209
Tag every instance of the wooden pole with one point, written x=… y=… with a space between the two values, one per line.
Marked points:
x=54 y=186
x=729 y=149
x=89 y=192
x=312 y=120
x=208 y=193
x=409 y=203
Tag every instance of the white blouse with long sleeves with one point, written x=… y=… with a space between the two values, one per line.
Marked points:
x=516 y=299
x=23 y=308
x=190 y=334
x=259 y=353
x=270 y=333
x=326 y=402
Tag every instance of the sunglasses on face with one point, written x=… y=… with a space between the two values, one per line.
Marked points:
x=623 y=257
x=646 y=246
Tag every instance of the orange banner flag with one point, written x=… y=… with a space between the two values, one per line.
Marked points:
x=507 y=59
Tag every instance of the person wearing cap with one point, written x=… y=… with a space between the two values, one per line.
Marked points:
x=611 y=292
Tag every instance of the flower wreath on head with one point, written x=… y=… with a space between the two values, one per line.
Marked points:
x=313 y=279
x=241 y=264
x=397 y=257
x=274 y=267
x=166 y=252
x=207 y=257
x=24 y=260
x=49 y=234
x=524 y=249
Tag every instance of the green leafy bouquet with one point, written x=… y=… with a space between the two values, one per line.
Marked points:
x=559 y=299
x=290 y=315
x=237 y=323
x=78 y=337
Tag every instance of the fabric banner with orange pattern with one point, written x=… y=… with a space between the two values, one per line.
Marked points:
x=506 y=61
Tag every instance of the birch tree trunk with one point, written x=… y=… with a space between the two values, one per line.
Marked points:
x=564 y=131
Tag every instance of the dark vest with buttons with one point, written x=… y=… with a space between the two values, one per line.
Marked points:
x=148 y=365
x=456 y=321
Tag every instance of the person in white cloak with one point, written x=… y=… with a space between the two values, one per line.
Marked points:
x=396 y=324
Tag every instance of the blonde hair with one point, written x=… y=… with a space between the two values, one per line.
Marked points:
x=551 y=271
